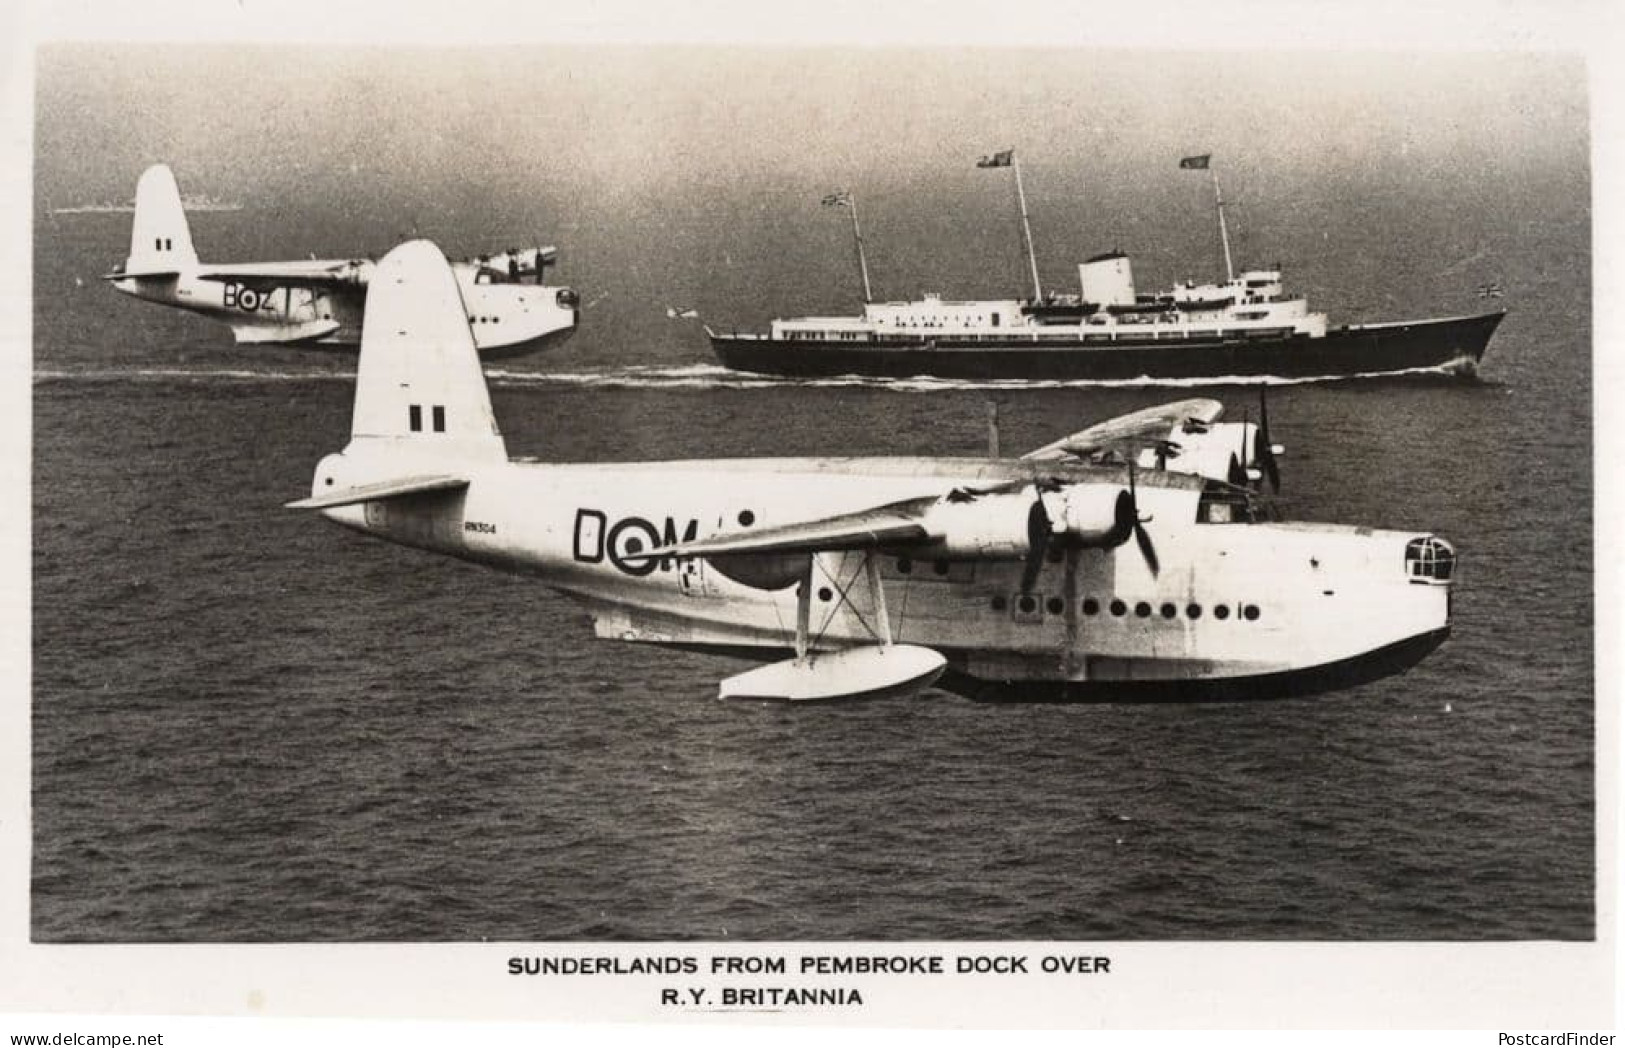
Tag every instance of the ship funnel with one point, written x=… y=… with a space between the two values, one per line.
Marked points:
x=1107 y=280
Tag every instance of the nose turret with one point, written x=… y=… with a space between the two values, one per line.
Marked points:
x=1430 y=561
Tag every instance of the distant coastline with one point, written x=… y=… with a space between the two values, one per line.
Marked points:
x=188 y=203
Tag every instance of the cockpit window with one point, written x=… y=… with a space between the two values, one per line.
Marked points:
x=1222 y=504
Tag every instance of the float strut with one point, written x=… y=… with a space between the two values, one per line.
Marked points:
x=877 y=594
x=804 y=607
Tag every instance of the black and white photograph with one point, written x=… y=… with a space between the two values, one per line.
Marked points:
x=523 y=503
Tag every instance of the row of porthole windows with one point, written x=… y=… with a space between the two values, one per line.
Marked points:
x=1028 y=604
x=486 y=320
x=906 y=566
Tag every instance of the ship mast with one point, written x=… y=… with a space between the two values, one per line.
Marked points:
x=1008 y=158
x=846 y=198
x=1027 y=229
x=1204 y=162
x=863 y=263
x=1224 y=231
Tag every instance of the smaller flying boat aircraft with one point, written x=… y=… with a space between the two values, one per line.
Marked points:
x=508 y=304
x=1130 y=561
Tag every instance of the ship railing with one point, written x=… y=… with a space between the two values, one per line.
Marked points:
x=1113 y=333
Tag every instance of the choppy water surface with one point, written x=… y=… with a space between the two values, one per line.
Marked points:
x=250 y=725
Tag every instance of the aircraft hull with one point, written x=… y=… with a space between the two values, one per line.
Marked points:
x=1386 y=661
x=1453 y=345
x=1237 y=611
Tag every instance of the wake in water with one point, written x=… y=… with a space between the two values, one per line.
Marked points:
x=694 y=376
x=184 y=374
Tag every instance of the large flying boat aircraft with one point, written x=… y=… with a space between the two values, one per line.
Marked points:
x=1134 y=560
x=509 y=307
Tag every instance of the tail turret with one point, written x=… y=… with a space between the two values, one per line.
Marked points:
x=160 y=240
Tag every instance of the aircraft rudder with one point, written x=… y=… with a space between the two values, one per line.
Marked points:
x=160 y=237
x=419 y=384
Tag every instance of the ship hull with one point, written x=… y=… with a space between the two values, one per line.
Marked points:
x=1452 y=345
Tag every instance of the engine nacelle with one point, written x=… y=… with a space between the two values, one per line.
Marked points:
x=355 y=273
x=1209 y=451
x=1095 y=516
x=986 y=527
x=1007 y=526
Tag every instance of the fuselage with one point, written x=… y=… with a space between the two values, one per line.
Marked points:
x=1239 y=608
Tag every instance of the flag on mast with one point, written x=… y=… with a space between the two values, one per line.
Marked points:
x=841 y=198
x=1195 y=163
x=1001 y=159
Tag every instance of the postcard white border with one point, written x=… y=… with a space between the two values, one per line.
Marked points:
x=1194 y=985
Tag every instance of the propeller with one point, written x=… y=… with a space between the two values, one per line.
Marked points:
x=1040 y=530
x=1038 y=536
x=1235 y=475
x=1148 y=551
x=1263 y=449
x=1041 y=533
x=1142 y=538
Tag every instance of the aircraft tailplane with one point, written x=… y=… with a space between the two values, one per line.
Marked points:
x=160 y=240
x=419 y=389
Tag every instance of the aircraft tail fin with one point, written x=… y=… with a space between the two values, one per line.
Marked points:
x=419 y=387
x=160 y=240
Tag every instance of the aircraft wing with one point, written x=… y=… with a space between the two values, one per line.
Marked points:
x=1161 y=423
x=308 y=273
x=1006 y=521
x=897 y=523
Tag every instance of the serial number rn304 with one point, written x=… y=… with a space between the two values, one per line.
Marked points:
x=480 y=526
